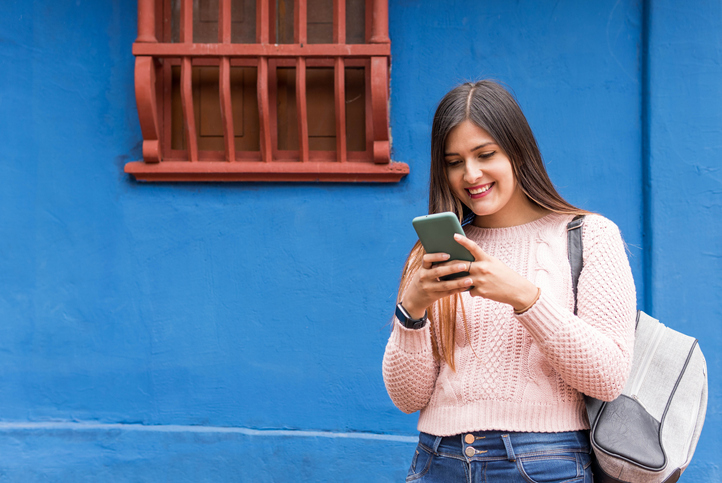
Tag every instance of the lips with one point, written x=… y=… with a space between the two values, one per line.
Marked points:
x=479 y=191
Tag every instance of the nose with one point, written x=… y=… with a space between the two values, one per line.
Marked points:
x=472 y=172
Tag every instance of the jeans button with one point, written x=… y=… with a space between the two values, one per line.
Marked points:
x=469 y=438
x=469 y=451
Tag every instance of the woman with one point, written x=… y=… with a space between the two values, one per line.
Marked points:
x=500 y=367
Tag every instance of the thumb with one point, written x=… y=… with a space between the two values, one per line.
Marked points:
x=473 y=248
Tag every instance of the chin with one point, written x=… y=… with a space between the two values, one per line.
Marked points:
x=483 y=209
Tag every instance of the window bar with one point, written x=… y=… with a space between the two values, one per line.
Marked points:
x=380 y=23
x=164 y=34
x=186 y=37
x=224 y=79
x=272 y=34
x=145 y=85
x=148 y=109
x=300 y=34
x=146 y=21
x=368 y=111
x=264 y=113
x=339 y=37
x=379 y=107
x=379 y=83
x=262 y=21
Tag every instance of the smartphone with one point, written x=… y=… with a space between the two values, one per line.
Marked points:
x=436 y=233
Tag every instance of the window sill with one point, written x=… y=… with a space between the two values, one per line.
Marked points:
x=279 y=171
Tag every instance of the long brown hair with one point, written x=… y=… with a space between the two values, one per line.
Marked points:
x=491 y=107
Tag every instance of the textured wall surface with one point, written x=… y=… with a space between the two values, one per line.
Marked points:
x=234 y=332
x=684 y=165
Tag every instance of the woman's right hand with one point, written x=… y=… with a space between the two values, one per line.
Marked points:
x=426 y=287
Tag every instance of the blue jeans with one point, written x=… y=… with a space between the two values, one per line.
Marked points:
x=502 y=456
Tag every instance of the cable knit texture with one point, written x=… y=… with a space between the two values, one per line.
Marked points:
x=526 y=372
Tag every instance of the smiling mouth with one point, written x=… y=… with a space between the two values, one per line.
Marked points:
x=479 y=190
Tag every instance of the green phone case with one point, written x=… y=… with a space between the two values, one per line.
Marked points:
x=436 y=233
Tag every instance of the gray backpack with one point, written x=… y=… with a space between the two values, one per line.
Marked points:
x=650 y=432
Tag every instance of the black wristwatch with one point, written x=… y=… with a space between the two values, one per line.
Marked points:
x=406 y=319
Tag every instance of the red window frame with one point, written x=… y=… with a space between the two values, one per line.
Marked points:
x=153 y=64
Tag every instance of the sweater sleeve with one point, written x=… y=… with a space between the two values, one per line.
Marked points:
x=409 y=367
x=593 y=350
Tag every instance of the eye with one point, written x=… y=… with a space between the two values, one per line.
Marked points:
x=450 y=163
x=487 y=155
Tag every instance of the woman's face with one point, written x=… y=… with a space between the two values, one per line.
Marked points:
x=481 y=176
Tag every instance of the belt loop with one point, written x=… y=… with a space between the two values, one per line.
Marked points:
x=437 y=442
x=509 y=450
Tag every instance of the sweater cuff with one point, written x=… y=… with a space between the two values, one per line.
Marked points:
x=411 y=341
x=543 y=318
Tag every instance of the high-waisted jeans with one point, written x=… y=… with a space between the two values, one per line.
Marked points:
x=502 y=456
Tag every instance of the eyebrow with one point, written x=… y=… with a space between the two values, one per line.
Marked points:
x=475 y=149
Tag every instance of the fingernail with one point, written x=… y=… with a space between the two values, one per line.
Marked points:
x=446 y=256
x=468 y=281
x=462 y=267
x=456 y=235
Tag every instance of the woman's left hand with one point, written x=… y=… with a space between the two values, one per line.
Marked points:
x=494 y=280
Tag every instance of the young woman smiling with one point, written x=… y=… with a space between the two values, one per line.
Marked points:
x=498 y=362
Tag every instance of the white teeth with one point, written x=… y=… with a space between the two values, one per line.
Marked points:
x=480 y=190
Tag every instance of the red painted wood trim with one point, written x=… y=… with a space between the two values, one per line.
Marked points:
x=262 y=24
x=186 y=21
x=278 y=165
x=273 y=101
x=164 y=100
x=301 y=109
x=264 y=114
x=339 y=37
x=271 y=23
x=278 y=156
x=145 y=97
x=289 y=62
x=224 y=78
x=379 y=106
x=300 y=22
x=224 y=21
x=300 y=36
x=339 y=21
x=146 y=21
x=380 y=25
x=368 y=111
x=340 y=97
x=188 y=113
x=261 y=50
x=259 y=171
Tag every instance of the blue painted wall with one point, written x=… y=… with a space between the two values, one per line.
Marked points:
x=684 y=156
x=210 y=332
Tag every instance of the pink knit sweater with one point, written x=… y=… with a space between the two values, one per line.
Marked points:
x=531 y=369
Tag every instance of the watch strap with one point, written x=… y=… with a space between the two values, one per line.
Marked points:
x=406 y=319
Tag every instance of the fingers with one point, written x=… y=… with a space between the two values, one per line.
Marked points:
x=473 y=248
x=431 y=258
x=443 y=288
x=448 y=268
x=432 y=279
x=436 y=266
x=425 y=289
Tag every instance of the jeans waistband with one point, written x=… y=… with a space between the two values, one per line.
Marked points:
x=506 y=444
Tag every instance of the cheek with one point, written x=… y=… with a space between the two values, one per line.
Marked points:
x=505 y=177
x=455 y=177
x=455 y=181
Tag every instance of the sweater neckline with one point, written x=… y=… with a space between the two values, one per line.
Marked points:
x=512 y=231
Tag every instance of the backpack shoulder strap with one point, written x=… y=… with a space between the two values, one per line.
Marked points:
x=575 y=251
